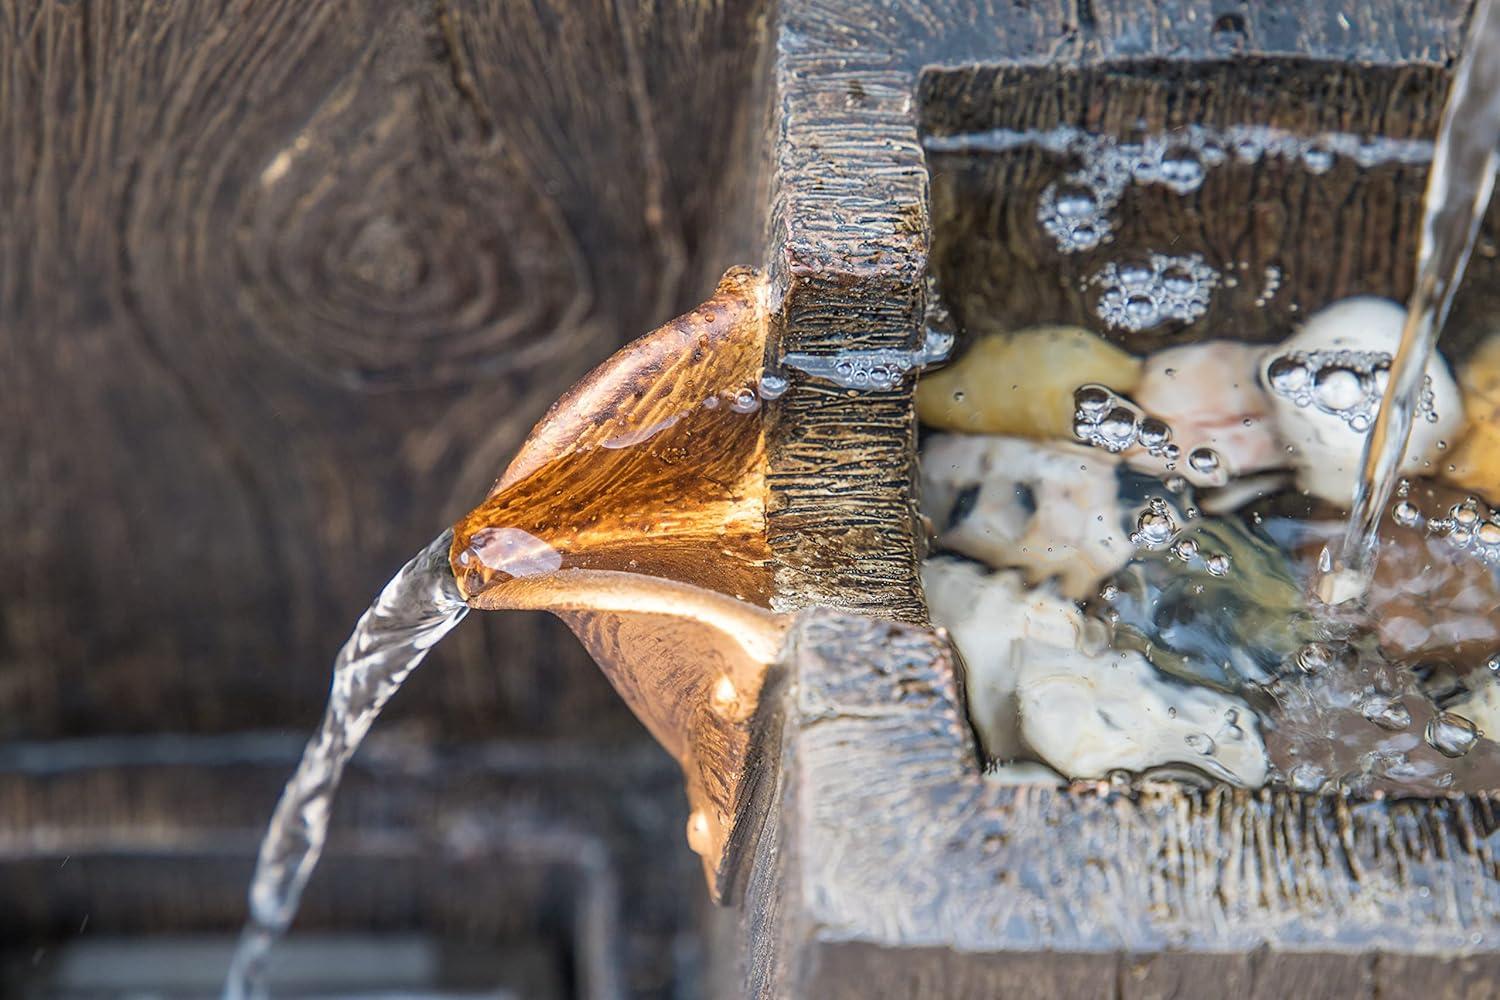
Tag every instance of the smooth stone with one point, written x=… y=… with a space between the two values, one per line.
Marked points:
x=1087 y=715
x=994 y=620
x=1051 y=510
x=1206 y=393
x=1326 y=450
x=1040 y=680
x=1021 y=384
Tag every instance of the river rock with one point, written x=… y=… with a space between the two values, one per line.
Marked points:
x=1040 y=680
x=1021 y=384
x=1051 y=510
x=1325 y=384
x=1211 y=398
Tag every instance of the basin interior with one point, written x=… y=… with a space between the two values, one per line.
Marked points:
x=1162 y=204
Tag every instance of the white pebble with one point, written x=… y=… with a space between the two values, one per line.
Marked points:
x=1324 y=387
x=1206 y=393
x=1050 y=509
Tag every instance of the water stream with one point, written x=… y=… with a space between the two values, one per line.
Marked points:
x=1459 y=185
x=419 y=606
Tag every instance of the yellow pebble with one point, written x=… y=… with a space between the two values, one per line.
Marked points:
x=1021 y=384
x=1476 y=461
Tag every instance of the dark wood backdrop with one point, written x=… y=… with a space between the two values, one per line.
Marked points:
x=282 y=285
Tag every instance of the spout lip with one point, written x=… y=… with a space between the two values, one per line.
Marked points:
x=758 y=633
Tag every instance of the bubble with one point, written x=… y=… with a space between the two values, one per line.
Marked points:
x=1287 y=376
x=772 y=386
x=1155 y=528
x=1386 y=713
x=1110 y=593
x=1217 y=564
x=1181 y=171
x=1488 y=533
x=1142 y=311
x=1406 y=514
x=1185 y=549
x=1337 y=389
x=1075 y=201
x=1317 y=160
x=1451 y=735
x=1137 y=296
x=745 y=401
x=1204 y=460
x=1154 y=434
x=1315 y=657
x=1493 y=664
x=1307 y=778
x=1200 y=743
x=1093 y=400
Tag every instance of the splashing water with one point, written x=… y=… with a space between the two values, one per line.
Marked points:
x=1459 y=186
x=419 y=606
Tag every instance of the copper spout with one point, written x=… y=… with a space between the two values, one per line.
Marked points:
x=636 y=512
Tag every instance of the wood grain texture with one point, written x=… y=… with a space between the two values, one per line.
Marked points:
x=282 y=286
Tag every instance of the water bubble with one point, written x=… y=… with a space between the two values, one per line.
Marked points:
x=1093 y=401
x=1142 y=311
x=1117 y=429
x=1386 y=714
x=1200 y=743
x=1315 y=657
x=1204 y=460
x=1155 y=528
x=1075 y=201
x=1337 y=389
x=1186 y=549
x=1307 y=778
x=1317 y=160
x=1181 y=171
x=1110 y=592
x=1287 y=376
x=1488 y=533
x=1217 y=564
x=745 y=401
x=772 y=386
x=1406 y=514
x=1493 y=664
x=1154 y=434
x=1451 y=735
x=1134 y=275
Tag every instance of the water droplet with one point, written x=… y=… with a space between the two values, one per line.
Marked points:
x=1406 y=514
x=1314 y=657
x=1171 y=711
x=1154 y=434
x=1451 y=735
x=1155 y=528
x=1093 y=401
x=1075 y=201
x=1181 y=171
x=1317 y=160
x=772 y=386
x=1117 y=429
x=1386 y=714
x=1186 y=549
x=1200 y=743
x=1307 y=778
x=745 y=401
x=1493 y=663
x=1204 y=460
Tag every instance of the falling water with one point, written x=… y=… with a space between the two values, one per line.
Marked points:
x=416 y=609
x=1458 y=191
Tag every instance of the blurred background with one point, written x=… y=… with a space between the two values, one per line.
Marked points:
x=282 y=287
